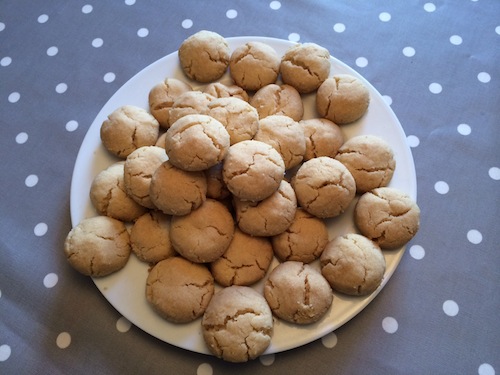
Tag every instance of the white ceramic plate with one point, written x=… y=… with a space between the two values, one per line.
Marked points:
x=125 y=290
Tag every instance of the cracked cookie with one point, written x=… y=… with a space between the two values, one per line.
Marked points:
x=276 y=99
x=163 y=95
x=189 y=103
x=323 y=137
x=220 y=90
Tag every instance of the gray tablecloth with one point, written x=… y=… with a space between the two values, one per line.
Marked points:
x=436 y=63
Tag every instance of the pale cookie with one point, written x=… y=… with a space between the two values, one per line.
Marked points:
x=216 y=187
x=253 y=170
x=286 y=136
x=245 y=261
x=196 y=142
x=127 y=129
x=323 y=138
x=324 y=187
x=98 y=246
x=237 y=325
x=305 y=66
x=175 y=191
x=353 y=264
x=370 y=160
x=254 y=65
x=109 y=197
x=179 y=290
x=276 y=99
x=220 y=90
x=270 y=216
x=298 y=293
x=150 y=237
x=139 y=168
x=189 y=103
x=240 y=119
x=203 y=235
x=303 y=241
x=162 y=97
x=342 y=99
x=204 y=56
x=387 y=216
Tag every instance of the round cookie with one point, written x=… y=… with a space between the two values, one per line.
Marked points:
x=254 y=65
x=189 y=103
x=353 y=264
x=370 y=160
x=175 y=191
x=305 y=66
x=196 y=142
x=220 y=90
x=109 y=197
x=237 y=325
x=342 y=99
x=253 y=170
x=204 y=56
x=216 y=187
x=163 y=95
x=203 y=235
x=179 y=290
x=270 y=216
x=150 y=237
x=298 y=293
x=128 y=128
x=303 y=241
x=323 y=138
x=324 y=187
x=98 y=246
x=138 y=170
x=286 y=136
x=276 y=99
x=245 y=261
x=387 y=216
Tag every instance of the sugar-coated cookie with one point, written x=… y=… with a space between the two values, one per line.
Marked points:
x=323 y=137
x=276 y=99
x=220 y=90
x=162 y=96
x=189 y=103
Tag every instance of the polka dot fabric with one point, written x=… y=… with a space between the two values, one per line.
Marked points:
x=435 y=63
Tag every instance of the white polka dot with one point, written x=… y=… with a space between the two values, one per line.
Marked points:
x=450 y=308
x=50 y=280
x=129 y=2
x=14 y=97
x=43 y=18
x=52 y=51
x=362 y=62
x=435 y=88
x=267 y=360
x=71 y=125
x=40 y=229
x=87 y=9
x=474 y=236
x=5 y=61
x=387 y=99
x=61 y=88
x=429 y=7
x=409 y=51
x=497 y=30
x=384 y=17
x=142 y=32
x=339 y=27
x=390 y=325
x=441 y=187
x=464 y=129
x=4 y=352
x=494 y=173
x=412 y=141
x=2 y=26
x=484 y=77
x=123 y=325
x=109 y=77
x=63 y=340
x=97 y=42
x=21 y=138
x=31 y=180
x=293 y=37
x=187 y=23
x=456 y=40
x=204 y=369
x=486 y=369
x=329 y=341
x=417 y=252
x=231 y=14
x=275 y=5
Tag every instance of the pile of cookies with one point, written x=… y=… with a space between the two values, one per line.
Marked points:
x=211 y=184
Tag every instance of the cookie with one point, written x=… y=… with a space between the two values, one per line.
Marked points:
x=276 y=99
x=196 y=142
x=353 y=264
x=370 y=160
x=203 y=235
x=216 y=187
x=128 y=128
x=179 y=290
x=189 y=103
x=204 y=56
x=98 y=246
x=220 y=90
x=305 y=66
x=388 y=216
x=162 y=96
x=237 y=325
x=323 y=138
x=303 y=241
x=245 y=261
x=342 y=99
x=297 y=293
x=324 y=187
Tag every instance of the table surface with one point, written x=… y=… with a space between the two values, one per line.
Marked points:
x=435 y=62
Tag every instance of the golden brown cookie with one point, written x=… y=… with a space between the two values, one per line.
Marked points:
x=220 y=90
x=216 y=187
x=276 y=99
x=323 y=137
x=189 y=103
x=162 y=96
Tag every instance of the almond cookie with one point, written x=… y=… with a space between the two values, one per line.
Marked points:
x=237 y=325
x=216 y=187
x=204 y=56
x=305 y=66
x=353 y=264
x=342 y=99
x=162 y=97
x=324 y=187
x=98 y=246
x=303 y=241
x=196 y=142
x=204 y=234
x=253 y=170
x=254 y=65
x=298 y=293
x=128 y=128
x=387 y=216
x=109 y=197
x=175 y=191
x=220 y=90
x=276 y=99
x=179 y=290
x=189 y=103
x=245 y=261
x=323 y=138
x=369 y=159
